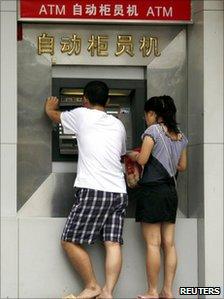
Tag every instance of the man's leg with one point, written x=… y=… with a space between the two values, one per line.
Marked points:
x=82 y=264
x=112 y=236
x=113 y=265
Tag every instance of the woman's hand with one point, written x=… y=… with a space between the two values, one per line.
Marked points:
x=133 y=155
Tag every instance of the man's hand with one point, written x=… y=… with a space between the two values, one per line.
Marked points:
x=51 y=108
x=51 y=103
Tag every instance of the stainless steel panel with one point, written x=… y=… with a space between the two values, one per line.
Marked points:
x=34 y=128
x=167 y=74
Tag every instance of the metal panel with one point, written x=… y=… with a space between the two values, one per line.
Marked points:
x=34 y=143
x=167 y=74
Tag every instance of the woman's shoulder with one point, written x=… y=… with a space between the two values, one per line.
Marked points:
x=153 y=128
x=183 y=139
x=152 y=131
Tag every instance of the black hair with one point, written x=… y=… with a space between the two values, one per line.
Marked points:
x=165 y=108
x=97 y=93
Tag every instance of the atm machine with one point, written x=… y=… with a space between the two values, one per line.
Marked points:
x=64 y=146
x=126 y=102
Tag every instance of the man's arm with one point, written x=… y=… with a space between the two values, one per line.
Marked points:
x=51 y=109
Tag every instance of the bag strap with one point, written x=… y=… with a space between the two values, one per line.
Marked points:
x=169 y=156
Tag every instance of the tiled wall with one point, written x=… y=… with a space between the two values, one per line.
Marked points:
x=196 y=129
x=9 y=223
x=8 y=105
x=205 y=103
x=213 y=141
x=44 y=271
x=205 y=109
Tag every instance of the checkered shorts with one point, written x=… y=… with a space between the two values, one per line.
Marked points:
x=96 y=214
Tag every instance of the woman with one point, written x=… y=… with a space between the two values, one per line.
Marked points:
x=162 y=154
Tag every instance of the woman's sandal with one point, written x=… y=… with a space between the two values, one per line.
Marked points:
x=71 y=296
x=146 y=297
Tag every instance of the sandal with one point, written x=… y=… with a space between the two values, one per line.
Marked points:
x=71 y=296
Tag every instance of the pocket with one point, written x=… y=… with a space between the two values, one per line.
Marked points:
x=125 y=201
x=77 y=196
x=121 y=202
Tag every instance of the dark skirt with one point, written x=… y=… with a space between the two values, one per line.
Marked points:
x=156 y=203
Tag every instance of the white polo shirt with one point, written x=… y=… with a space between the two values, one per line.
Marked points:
x=101 y=143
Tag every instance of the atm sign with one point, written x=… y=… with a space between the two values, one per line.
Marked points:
x=122 y=11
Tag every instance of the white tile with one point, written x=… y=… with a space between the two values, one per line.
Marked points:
x=45 y=272
x=200 y=5
x=8 y=77
x=213 y=77
x=213 y=4
x=213 y=196
x=201 y=252
x=8 y=180
x=213 y=173
x=9 y=258
x=8 y=5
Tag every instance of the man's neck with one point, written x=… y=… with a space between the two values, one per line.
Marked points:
x=97 y=107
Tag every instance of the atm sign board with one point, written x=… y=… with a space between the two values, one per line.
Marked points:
x=111 y=11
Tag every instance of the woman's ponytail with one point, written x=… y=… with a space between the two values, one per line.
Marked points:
x=169 y=114
x=165 y=108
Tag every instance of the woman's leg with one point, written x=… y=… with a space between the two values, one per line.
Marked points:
x=152 y=236
x=170 y=258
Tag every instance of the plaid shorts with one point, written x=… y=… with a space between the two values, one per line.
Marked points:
x=96 y=214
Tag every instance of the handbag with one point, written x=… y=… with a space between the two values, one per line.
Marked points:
x=133 y=171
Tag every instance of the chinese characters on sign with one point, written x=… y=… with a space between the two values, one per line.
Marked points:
x=103 y=10
x=71 y=45
x=125 y=45
x=98 y=45
x=149 y=44
x=45 y=44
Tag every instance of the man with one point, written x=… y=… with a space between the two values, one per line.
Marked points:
x=100 y=194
